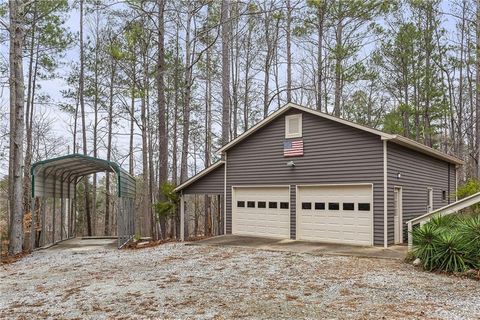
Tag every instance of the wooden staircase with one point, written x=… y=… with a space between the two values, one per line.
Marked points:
x=446 y=210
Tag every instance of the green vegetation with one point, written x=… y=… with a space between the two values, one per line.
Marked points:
x=449 y=243
x=167 y=207
x=470 y=187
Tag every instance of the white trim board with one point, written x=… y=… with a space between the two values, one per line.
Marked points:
x=385 y=194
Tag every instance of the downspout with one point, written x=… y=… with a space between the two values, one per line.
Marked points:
x=385 y=196
x=456 y=182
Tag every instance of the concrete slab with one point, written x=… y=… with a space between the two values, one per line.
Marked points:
x=85 y=244
x=318 y=248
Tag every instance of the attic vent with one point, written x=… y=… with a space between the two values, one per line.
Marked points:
x=293 y=126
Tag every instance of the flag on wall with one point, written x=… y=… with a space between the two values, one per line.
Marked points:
x=293 y=148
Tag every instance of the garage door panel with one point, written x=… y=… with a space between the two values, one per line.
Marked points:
x=261 y=220
x=339 y=226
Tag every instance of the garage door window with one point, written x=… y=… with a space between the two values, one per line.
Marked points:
x=272 y=205
x=283 y=205
x=251 y=204
x=364 y=206
x=306 y=205
x=262 y=204
x=333 y=206
x=348 y=206
x=240 y=204
x=319 y=205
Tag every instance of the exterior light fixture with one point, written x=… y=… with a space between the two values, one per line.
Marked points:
x=399 y=175
x=290 y=164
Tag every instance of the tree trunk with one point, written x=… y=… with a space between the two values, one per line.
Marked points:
x=477 y=92
x=225 y=71
x=32 y=73
x=248 y=65
x=320 y=23
x=82 y=111
x=176 y=84
x=95 y=119
x=338 y=66
x=17 y=102
x=208 y=131
x=186 y=107
x=145 y=163
x=162 y=131
x=289 y=52
x=109 y=148
x=132 y=120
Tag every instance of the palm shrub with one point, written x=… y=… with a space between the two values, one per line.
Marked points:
x=469 y=230
x=424 y=240
x=448 y=243
x=449 y=252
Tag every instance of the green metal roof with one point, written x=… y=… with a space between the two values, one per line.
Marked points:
x=64 y=170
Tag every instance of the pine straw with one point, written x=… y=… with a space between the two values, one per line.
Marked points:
x=8 y=259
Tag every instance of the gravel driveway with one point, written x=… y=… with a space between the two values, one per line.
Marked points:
x=178 y=281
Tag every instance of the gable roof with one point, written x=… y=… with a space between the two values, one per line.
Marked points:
x=398 y=139
x=199 y=175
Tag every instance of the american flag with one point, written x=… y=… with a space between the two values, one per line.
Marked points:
x=292 y=148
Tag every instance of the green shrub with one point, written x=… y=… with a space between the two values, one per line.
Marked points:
x=424 y=239
x=469 y=229
x=470 y=187
x=448 y=243
x=449 y=253
x=439 y=221
x=169 y=206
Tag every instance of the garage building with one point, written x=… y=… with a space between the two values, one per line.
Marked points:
x=306 y=175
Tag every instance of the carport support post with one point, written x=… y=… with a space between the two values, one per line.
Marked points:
x=69 y=206
x=62 y=222
x=182 y=218
x=33 y=229
x=44 y=204
x=54 y=205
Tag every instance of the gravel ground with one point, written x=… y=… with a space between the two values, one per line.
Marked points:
x=177 y=281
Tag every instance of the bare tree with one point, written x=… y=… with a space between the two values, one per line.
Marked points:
x=225 y=22
x=81 y=93
x=162 y=129
x=17 y=103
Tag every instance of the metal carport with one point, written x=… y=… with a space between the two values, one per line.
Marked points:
x=57 y=178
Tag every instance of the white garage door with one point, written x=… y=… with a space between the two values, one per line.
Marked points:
x=261 y=211
x=337 y=214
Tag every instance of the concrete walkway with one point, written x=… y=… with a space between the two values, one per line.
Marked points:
x=85 y=244
x=318 y=248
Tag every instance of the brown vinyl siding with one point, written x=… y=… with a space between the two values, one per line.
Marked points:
x=418 y=172
x=211 y=183
x=333 y=154
x=453 y=183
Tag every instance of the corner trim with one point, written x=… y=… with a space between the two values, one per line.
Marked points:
x=385 y=195
x=225 y=196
